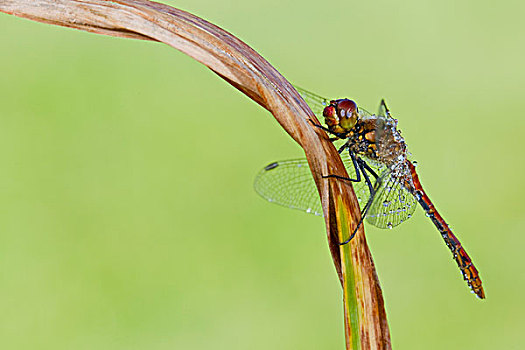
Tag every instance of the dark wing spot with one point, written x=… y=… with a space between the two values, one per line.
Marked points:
x=271 y=166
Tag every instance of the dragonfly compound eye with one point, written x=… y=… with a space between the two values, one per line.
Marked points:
x=347 y=113
x=330 y=116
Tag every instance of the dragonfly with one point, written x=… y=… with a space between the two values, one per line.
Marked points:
x=379 y=167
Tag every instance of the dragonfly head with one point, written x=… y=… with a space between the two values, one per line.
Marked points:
x=341 y=115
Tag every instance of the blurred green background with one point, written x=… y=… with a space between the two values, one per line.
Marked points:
x=124 y=226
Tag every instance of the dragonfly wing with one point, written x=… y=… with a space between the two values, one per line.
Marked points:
x=290 y=183
x=363 y=112
x=383 y=110
x=318 y=103
x=315 y=102
x=392 y=205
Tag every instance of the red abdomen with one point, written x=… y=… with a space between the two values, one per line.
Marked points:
x=468 y=270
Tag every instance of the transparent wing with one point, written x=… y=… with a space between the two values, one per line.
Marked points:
x=383 y=110
x=315 y=102
x=318 y=103
x=392 y=205
x=389 y=142
x=363 y=112
x=290 y=183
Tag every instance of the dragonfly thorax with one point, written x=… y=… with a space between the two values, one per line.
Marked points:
x=378 y=138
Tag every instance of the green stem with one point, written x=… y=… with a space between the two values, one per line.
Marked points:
x=349 y=286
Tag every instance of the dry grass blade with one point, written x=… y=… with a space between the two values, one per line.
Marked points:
x=241 y=66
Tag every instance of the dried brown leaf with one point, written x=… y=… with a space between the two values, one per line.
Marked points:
x=242 y=67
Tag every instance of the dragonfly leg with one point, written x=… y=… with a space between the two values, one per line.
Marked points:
x=356 y=167
x=364 y=212
x=321 y=127
x=338 y=134
x=360 y=167
x=370 y=170
x=342 y=148
x=364 y=167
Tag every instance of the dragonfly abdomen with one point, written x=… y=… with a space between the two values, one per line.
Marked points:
x=468 y=270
